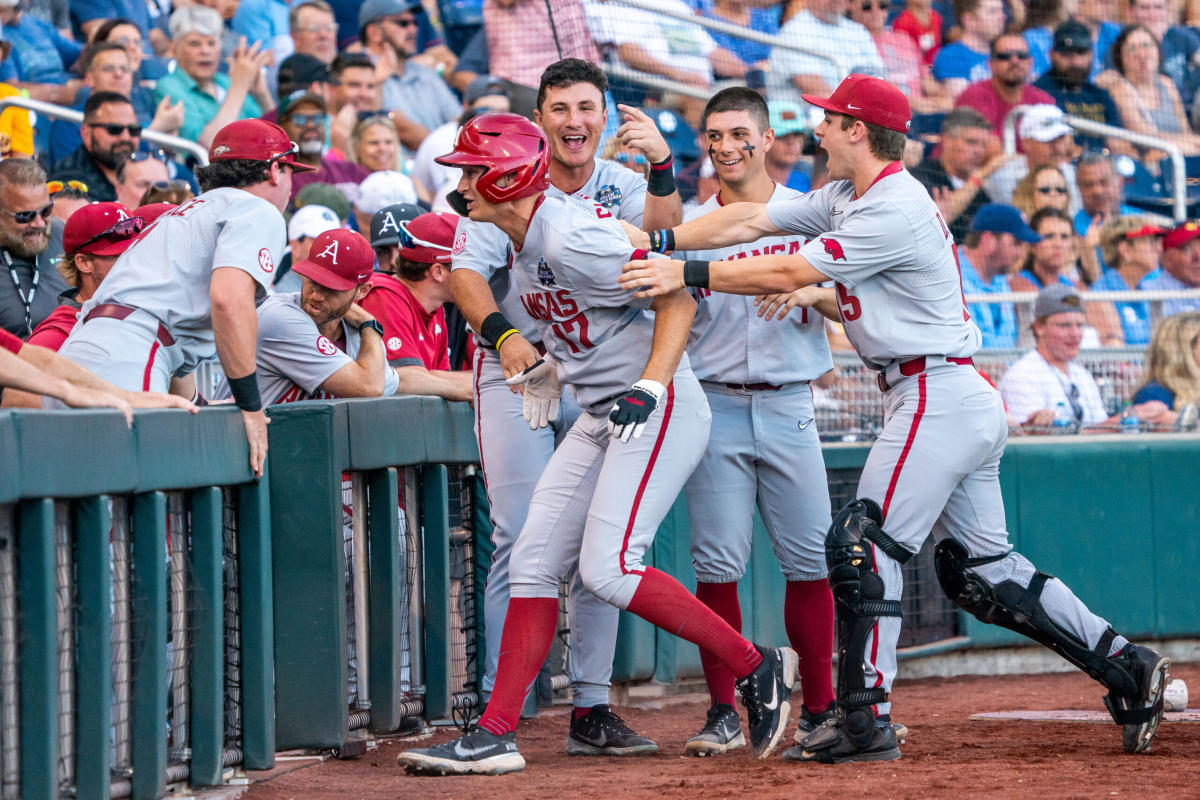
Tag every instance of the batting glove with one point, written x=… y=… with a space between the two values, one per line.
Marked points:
x=539 y=405
x=633 y=409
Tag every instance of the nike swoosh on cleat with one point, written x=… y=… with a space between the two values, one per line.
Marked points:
x=771 y=706
x=468 y=753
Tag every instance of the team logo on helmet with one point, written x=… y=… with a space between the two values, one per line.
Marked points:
x=608 y=196
x=545 y=274
x=834 y=248
x=325 y=346
x=265 y=261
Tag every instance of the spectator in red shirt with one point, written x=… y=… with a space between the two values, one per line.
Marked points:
x=407 y=298
x=1008 y=86
x=924 y=25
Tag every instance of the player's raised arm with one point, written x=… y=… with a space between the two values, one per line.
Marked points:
x=664 y=206
x=755 y=275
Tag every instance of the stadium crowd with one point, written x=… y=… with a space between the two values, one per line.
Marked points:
x=371 y=92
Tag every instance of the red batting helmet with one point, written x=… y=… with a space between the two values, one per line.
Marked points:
x=503 y=143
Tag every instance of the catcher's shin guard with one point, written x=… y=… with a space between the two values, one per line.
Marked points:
x=858 y=594
x=1018 y=608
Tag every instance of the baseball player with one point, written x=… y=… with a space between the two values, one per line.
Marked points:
x=875 y=232
x=188 y=285
x=763 y=447
x=571 y=112
x=618 y=470
x=318 y=343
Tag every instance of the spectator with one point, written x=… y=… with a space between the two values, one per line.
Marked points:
x=92 y=240
x=1173 y=366
x=123 y=32
x=212 y=100
x=322 y=194
x=995 y=243
x=266 y=22
x=1132 y=249
x=304 y=120
x=1043 y=187
x=314 y=30
x=30 y=243
x=751 y=57
x=923 y=25
x=40 y=54
x=1044 y=138
x=1100 y=17
x=1178 y=44
x=16 y=131
x=136 y=174
x=1041 y=19
x=380 y=190
x=301 y=72
x=229 y=38
x=1008 y=85
x=1048 y=376
x=1180 y=268
x=417 y=96
x=838 y=46
x=1100 y=188
x=68 y=197
x=373 y=145
x=318 y=342
x=784 y=157
x=1068 y=83
x=353 y=96
x=966 y=61
x=90 y=15
x=407 y=297
x=955 y=179
x=520 y=58
x=1148 y=100
x=385 y=232
x=172 y=193
x=303 y=228
x=110 y=133
x=902 y=61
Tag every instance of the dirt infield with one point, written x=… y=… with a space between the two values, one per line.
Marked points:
x=947 y=756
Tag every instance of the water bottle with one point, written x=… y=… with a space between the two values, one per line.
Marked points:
x=1130 y=423
x=1063 y=421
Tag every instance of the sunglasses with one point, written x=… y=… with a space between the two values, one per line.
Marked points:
x=308 y=119
x=142 y=155
x=294 y=150
x=1049 y=189
x=638 y=159
x=409 y=242
x=882 y=6
x=402 y=22
x=26 y=217
x=112 y=129
x=54 y=187
x=172 y=186
x=1011 y=55
x=118 y=232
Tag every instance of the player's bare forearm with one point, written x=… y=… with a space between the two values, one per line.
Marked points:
x=18 y=373
x=673 y=315
x=234 y=320
x=756 y=275
x=735 y=223
x=363 y=377
x=662 y=212
x=452 y=385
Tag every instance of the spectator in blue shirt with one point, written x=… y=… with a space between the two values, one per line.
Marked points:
x=1180 y=268
x=1132 y=248
x=749 y=58
x=995 y=242
x=966 y=61
x=1179 y=43
x=40 y=54
x=784 y=159
x=1173 y=365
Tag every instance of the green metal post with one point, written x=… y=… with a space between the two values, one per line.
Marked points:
x=93 y=716
x=257 y=625
x=435 y=522
x=149 y=600
x=39 y=650
x=208 y=626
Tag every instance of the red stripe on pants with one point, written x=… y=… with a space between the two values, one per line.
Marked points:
x=149 y=367
x=637 y=499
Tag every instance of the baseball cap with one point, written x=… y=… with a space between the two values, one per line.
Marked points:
x=384 y=188
x=482 y=86
x=1181 y=235
x=1057 y=299
x=374 y=9
x=101 y=229
x=297 y=97
x=311 y=221
x=1072 y=36
x=324 y=194
x=255 y=140
x=299 y=71
x=385 y=225
x=428 y=238
x=339 y=260
x=787 y=117
x=1043 y=123
x=152 y=211
x=872 y=100
x=1145 y=230
x=1000 y=218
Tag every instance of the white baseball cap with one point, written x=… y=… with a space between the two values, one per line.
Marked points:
x=311 y=221
x=385 y=188
x=1043 y=123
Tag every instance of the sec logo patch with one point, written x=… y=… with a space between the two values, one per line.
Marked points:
x=393 y=343
x=325 y=346
x=265 y=261
x=460 y=242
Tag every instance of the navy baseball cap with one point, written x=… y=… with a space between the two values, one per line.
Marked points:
x=1000 y=218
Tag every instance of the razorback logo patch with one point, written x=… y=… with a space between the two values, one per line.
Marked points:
x=834 y=248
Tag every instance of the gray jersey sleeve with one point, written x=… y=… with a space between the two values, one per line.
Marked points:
x=291 y=350
x=873 y=237
x=811 y=213
x=479 y=247
x=251 y=239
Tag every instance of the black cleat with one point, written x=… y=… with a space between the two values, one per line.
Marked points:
x=602 y=733
x=1140 y=715
x=829 y=744
x=721 y=733
x=765 y=695
x=809 y=721
x=477 y=752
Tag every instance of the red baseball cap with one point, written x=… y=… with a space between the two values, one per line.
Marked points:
x=1145 y=230
x=872 y=100
x=255 y=140
x=101 y=229
x=152 y=211
x=1181 y=235
x=339 y=260
x=429 y=238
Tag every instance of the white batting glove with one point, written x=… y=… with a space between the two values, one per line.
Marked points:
x=543 y=390
x=633 y=409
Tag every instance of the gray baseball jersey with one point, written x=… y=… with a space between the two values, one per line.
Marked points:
x=483 y=248
x=730 y=343
x=891 y=254
x=294 y=359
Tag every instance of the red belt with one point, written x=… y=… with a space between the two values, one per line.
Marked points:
x=117 y=311
x=753 y=387
x=915 y=366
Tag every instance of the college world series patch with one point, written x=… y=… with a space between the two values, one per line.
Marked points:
x=609 y=196
x=545 y=274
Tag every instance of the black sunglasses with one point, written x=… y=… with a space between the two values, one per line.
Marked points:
x=294 y=150
x=1011 y=55
x=118 y=232
x=884 y=5
x=1049 y=189
x=172 y=186
x=112 y=129
x=26 y=217
x=141 y=155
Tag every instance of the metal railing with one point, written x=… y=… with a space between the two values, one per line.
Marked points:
x=1178 y=165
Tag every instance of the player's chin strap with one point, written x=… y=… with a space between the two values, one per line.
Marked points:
x=858 y=593
x=1018 y=608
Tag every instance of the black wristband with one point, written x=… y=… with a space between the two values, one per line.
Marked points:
x=661 y=180
x=695 y=273
x=245 y=392
x=494 y=326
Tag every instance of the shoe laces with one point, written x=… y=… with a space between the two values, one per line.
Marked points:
x=715 y=715
x=607 y=718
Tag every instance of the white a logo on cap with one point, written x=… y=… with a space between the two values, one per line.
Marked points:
x=331 y=250
x=389 y=224
x=121 y=215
